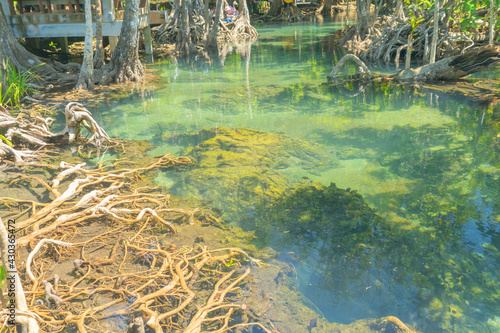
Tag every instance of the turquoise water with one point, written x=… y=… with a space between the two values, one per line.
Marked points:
x=427 y=163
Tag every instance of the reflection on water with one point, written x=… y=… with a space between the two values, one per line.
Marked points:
x=423 y=243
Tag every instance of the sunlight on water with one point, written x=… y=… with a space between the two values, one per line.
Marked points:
x=427 y=163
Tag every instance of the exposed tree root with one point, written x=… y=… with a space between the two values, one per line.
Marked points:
x=240 y=28
x=24 y=132
x=448 y=69
x=362 y=67
x=387 y=38
x=186 y=27
x=188 y=30
x=142 y=279
x=16 y=295
x=453 y=68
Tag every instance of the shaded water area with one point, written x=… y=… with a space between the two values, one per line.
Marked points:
x=416 y=233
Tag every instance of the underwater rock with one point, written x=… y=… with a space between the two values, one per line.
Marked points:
x=313 y=212
x=238 y=168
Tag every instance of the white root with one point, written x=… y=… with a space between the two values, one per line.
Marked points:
x=362 y=67
x=35 y=251
x=21 y=317
x=37 y=133
x=17 y=155
x=76 y=115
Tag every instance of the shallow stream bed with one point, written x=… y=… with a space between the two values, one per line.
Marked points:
x=262 y=121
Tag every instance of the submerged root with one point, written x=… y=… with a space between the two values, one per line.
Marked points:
x=125 y=270
x=23 y=132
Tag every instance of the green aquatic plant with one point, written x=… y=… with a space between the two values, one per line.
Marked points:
x=4 y=139
x=230 y=263
x=18 y=86
x=237 y=168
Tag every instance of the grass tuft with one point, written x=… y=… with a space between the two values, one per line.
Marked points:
x=17 y=85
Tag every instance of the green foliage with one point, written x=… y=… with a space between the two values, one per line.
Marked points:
x=2 y=276
x=463 y=13
x=4 y=139
x=264 y=7
x=415 y=21
x=52 y=45
x=230 y=263
x=17 y=85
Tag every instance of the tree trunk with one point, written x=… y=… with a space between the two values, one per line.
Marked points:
x=207 y=10
x=409 y=49
x=125 y=64
x=3 y=75
x=99 y=50
x=184 y=45
x=17 y=54
x=187 y=27
x=363 y=14
x=276 y=6
x=453 y=68
x=435 y=33
x=212 y=37
x=242 y=28
x=325 y=8
x=399 y=10
x=492 y=21
x=86 y=78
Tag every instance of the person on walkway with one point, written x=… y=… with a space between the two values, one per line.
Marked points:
x=288 y=7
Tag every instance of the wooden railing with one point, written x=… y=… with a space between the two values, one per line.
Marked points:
x=49 y=6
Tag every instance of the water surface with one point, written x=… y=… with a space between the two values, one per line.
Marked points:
x=426 y=162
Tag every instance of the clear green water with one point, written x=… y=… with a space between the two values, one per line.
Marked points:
x=428 y=164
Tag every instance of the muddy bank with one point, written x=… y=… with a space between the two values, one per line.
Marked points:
x=139 y=252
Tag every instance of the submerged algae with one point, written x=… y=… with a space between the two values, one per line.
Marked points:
x=347 y=243
x=241 y=167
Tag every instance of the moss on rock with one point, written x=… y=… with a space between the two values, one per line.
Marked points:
x=241 y=167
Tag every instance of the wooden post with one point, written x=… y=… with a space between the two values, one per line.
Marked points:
x=207 y=25
x=108 y=13
x=70 y=6
x=7 y=7
x=148 y=40
x=40 y=5
x=435 y=33
x=148 y=44
x=63 y=42
x=113 y=40
x=33 y=43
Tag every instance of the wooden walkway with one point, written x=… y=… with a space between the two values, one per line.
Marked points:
x=66 y=18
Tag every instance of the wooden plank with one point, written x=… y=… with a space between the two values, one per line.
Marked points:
x=62 y=30
x=113 y=41
x=8 y=6
x=53 y=2
x=59 y=18
x=108 y=10
x=20 y=8
x=157 y=17
x=70 y=6
x=40 y=5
